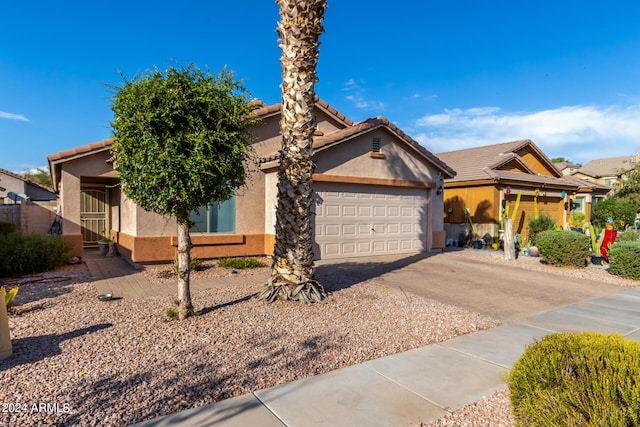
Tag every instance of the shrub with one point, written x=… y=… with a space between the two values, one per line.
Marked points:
x=7 y=228
x=622 y=212
x=578 y=219
x=538 y=225
x=585 y=379
x=624 y=259
x=563 y=247
x=240 y=263
x=22 y=254
x=628 y=236
x=195 y=264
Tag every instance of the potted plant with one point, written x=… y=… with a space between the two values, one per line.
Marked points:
x=478 y=243
x=106 y=246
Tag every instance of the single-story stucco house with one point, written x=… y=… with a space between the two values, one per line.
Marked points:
x=490 y=177
x=377 y=191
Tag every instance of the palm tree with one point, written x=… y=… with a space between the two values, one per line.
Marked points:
x=292 y=276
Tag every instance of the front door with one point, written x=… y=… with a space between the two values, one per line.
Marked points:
x=94 y=216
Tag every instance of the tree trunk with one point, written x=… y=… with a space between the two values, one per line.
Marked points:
x=508 y=242
x=292 y=276
x=185 y=307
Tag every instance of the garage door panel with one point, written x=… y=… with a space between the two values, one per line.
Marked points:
x=349 y=230
x=360 y=220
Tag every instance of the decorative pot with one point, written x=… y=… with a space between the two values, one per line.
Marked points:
x=596 y=260
x=533 y=251
x=477 y=244
x=103 y=248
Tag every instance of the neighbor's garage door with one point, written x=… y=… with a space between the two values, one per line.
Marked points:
x=362 y=220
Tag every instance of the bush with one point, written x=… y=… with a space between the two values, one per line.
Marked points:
x=624 y=259
x=538 y=225
x=564 y=247
x=240 y=263
x=622 y=213
x=578 y=219
x=628 y=236
x=195 y=264
x=7 y=228
x=22 y=254
x=585 y=379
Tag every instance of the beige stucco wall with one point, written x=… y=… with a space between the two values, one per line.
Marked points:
x=352 y=158
x=10 y=184
x=37 y=217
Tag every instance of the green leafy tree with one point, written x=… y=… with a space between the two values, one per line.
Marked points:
x=292 y=275
x=40 y=176
x=181 y=142
x=621 y=211
x=630 y=189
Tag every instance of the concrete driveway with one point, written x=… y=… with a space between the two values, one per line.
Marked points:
x=505 y=292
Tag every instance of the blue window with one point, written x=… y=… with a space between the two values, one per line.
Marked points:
x=218 y=217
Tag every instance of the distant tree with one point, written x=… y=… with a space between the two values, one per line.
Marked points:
x=40 y=176
x=292 y=275
x=622 y=212
x=630 y=186
x=181 y=142
x=560 y=160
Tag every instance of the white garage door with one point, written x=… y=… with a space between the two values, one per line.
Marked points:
x=362 y=220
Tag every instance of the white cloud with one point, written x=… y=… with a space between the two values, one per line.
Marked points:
x=579 y=133
x=360 y=101
x=11 y=116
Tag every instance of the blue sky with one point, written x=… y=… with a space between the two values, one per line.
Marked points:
x=453 y=75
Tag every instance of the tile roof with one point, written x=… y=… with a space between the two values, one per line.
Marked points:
x=588 y=185
x=79 y=151
x=370 y=124
x=483 y=163
x=22 y=178
x=56 y=159
x=611 y=166
x=271 y=110
x=475 y=163
x=323 y=142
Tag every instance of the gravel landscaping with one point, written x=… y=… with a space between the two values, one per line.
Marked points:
x=80 y=361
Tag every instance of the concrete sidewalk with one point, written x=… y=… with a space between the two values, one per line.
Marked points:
x=416 y=386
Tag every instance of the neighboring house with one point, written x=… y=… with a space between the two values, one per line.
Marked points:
x=609 y=171
x=27 y=204
x=19 y=185
x=566 y=168
x=491 y=177
x=377 y=191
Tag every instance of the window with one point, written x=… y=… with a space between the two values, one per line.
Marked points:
x=219 y=217
x=610 y=182
x=580 y=204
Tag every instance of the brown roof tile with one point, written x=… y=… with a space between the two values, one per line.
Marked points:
x=611 y=166
x=79 y=151
x=270 y=110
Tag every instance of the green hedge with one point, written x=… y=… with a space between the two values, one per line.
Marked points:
x=624 y=259
x=628 y=236
x=22 y=254
x=563 y=247
x=585 y=379
x=7 y=228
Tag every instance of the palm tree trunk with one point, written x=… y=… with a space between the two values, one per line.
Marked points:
x=185 y=306
x=292 y=276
